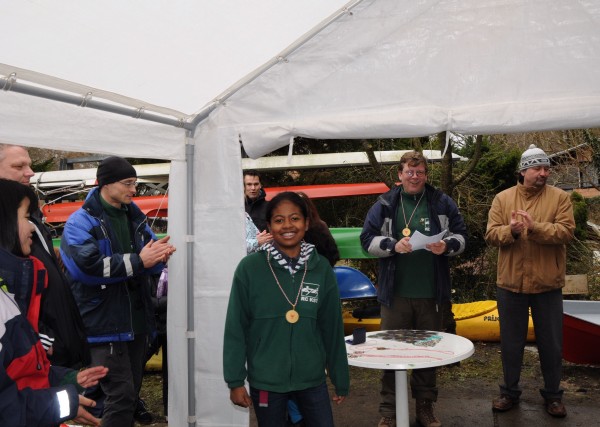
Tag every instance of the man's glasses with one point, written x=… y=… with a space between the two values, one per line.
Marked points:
x=411 y=173
x=129 y=184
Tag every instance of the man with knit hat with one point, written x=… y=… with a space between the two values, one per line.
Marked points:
x=531 y=223
x=110 y=252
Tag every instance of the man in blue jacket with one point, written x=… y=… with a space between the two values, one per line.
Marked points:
x=110 y=253
x=413 y=286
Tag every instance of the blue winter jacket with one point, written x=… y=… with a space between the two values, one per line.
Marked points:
x=379 y=232
x=99 y=273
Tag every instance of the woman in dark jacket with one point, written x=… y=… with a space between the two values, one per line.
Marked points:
x=318 y=233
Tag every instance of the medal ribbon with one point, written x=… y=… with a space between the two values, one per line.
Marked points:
x=413 y=212
x=281 y=289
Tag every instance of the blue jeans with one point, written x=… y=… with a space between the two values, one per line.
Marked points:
x=313 y=403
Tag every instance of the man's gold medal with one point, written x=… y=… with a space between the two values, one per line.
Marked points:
x=406 y=230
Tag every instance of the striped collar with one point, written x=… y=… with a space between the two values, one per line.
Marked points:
x=291 y=264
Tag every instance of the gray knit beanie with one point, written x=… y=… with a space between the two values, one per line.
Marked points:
x=533 y=157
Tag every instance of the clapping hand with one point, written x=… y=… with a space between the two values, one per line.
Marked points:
x=157 y=251
x=89 y=377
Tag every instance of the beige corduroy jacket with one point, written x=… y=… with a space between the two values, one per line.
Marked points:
x=534 y=262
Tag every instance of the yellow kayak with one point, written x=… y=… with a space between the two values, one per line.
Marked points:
x=155 y=362
x=477 y=321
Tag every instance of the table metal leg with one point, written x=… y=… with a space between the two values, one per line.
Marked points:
x=402 y=416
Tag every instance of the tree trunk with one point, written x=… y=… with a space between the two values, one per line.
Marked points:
x=477 y=153
x=379 y=172
x=446 y=174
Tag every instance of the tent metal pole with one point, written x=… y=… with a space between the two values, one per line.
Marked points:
x=191 y=334
x=94 y=103
x=204 y=113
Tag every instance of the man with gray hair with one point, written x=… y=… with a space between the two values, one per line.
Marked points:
x=60 y=325
x=15 y=164
x=531 y=223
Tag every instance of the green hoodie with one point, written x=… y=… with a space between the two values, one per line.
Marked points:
x=281 y=356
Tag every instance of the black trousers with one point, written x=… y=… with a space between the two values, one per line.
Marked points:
x=547 y=315
x=409 y=313
x=121 y=386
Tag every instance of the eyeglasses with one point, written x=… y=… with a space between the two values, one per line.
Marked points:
x=129 y=184
x=411 y=173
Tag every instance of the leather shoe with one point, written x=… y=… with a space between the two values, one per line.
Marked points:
x=504 y=403
x=556 y=408
x=141 y=414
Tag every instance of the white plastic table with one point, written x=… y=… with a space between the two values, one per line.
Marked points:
x=404 y=349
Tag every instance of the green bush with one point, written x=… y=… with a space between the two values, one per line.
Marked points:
x=580 y=212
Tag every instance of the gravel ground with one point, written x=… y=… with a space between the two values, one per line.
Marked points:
x=465 y=394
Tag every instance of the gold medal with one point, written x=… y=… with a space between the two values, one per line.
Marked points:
x=292 y=316
x=406 y=230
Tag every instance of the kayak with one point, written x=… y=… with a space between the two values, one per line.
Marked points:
x=581 y=332
x=155 y=362
x=477 y=321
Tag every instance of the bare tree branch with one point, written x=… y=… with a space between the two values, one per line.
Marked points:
x=377 y=168
x=477 y=153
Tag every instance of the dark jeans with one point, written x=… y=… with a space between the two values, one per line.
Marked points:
x=409 y=313
x=125 y=363
x=313 y=403
x=547 y=315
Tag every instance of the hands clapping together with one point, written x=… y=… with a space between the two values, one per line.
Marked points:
x=157 y=251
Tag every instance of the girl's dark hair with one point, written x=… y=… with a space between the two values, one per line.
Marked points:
x=286 y=196
x=318 y=233
x=313 y=213
x=12 y=195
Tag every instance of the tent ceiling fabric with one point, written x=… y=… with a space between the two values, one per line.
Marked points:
x=43 y=123
x=398 y=68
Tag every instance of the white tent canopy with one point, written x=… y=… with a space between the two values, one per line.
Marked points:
x=379 y=68
x=467 y=67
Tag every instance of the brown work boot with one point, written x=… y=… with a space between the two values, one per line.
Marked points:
x=425 y=415
x=387 y=422
x=504 y=403
x=556 y=408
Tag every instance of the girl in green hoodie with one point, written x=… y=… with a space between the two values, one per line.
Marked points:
x=284 y=328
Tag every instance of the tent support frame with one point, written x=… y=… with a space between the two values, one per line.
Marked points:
x=191 y=333
x=9 y=83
